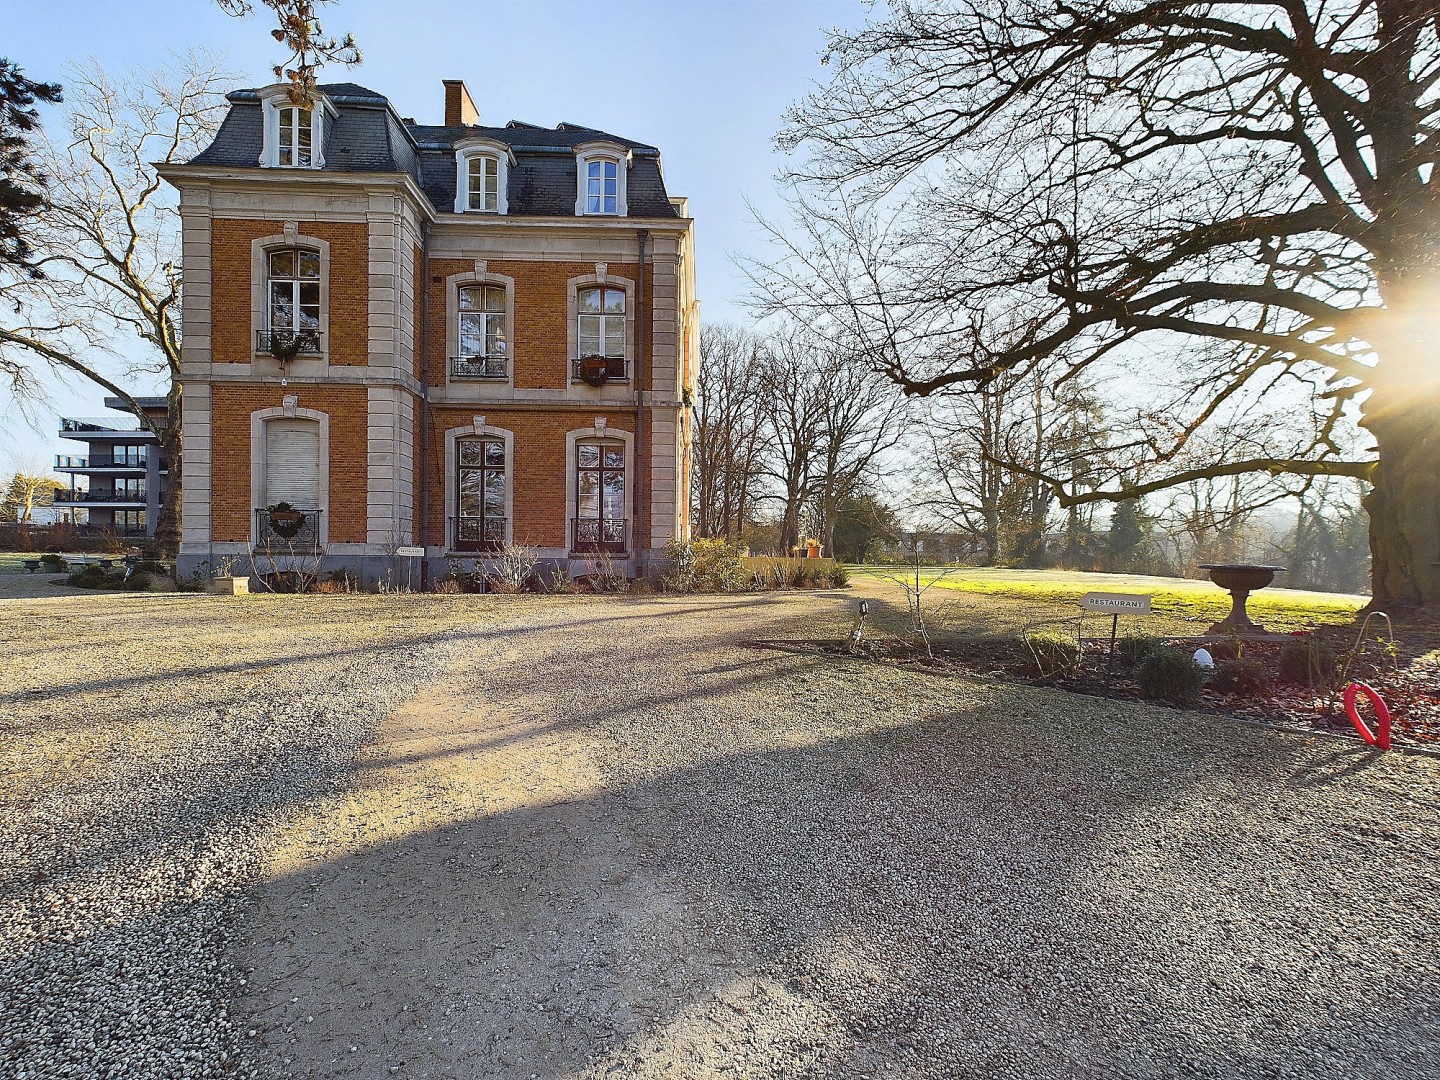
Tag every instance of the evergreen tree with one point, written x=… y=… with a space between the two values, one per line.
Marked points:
x=21 y=181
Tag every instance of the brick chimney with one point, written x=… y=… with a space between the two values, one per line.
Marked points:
x=460 y=110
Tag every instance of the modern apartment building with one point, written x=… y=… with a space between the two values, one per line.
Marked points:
x=449 y=336
x=118 y=483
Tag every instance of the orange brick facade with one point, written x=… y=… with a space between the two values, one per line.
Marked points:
x=231 y=504
x=233 y=340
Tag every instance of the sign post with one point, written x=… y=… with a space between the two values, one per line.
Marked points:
x=1115 y=605
x=410 y=554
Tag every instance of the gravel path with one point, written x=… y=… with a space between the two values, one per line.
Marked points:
x=606 y=838
x=627 y=845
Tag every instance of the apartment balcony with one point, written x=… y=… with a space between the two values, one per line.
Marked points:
x=302 y=342
x=285 y=532
x=103 y=425
x=598 y=535
x=598 y=370
x=477 y=534
x=81 y=463
x=99 y=498
x=479 y=367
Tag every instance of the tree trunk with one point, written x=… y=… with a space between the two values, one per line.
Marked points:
x=1404 y=501
x=167 y=529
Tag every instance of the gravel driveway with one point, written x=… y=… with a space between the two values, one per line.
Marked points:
x=463 y=837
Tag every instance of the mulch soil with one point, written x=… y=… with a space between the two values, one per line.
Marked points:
x=1408 y=681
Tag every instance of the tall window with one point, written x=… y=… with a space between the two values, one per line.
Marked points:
x=480 y=521
x=129 y=488
x=483 y=186
x=294 y=290
x=602 y=321
x=600 y=496
x=482 y=321
x=130 y=522
x=295 y=137
x=127 y=454
x=602 y=186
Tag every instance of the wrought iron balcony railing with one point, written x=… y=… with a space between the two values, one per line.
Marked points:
x=284 y=344
x=598 y=534
x=479 y=367
x=596 y=370
x=477 y=534
x=282 y=531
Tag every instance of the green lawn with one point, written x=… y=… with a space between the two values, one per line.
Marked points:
x=1178 y=605
x=13 y=562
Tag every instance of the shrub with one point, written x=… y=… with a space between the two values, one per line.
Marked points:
x=53 y=560
x=838 y=577
x=1241 y=677
x=1231 y=648
x=1134 y=647
x=136 y=582
x=1307 y=662
x=1052 y=654
x=511 y=568
x=713 y=565
x=89 y=577
x=151 y=566
x=1170 y=675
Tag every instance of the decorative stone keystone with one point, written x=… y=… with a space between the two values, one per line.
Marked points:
x=602 y=270
x=481 y=266
x=600 y=424
x=290 y=404
x=291 y=229
x=479 y=423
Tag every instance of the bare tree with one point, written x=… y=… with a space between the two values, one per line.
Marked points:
x=793 y=412
x=860 y=419
x=1237 y=203
x=728 y=420
x=298 y=29
x=108 y=246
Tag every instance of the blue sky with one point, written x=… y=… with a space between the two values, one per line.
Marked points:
x=704 y=80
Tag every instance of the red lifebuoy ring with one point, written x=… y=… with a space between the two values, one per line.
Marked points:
x=1381 y=735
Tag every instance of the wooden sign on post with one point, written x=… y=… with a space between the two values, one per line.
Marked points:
x=1115 y=604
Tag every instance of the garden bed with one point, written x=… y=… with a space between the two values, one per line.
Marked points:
x=1409 y=682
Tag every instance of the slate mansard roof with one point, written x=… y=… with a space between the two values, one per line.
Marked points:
x=368 y=136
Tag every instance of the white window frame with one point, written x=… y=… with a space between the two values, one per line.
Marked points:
x=599 y=153
x=274 y=99
x=465 y=151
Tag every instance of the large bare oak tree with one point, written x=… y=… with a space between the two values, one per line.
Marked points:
x=1234 y=204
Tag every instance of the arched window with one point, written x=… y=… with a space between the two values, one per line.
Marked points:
x=600 y=329
x=295 y=137
x=482 y=334
x=599 y=496
x=481 y=176
x=293 y=298
x=483 y=189
x=480 y=494
x=600 y=173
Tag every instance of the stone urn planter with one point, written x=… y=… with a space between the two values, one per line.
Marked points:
x=1240 y=580
x=230 y=584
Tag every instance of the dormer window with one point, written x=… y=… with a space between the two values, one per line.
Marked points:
x=293 y=134
x=601 y=171
x=296 y=137
x=481 y=175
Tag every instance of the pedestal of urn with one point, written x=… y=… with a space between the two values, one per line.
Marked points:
x=1240 y=580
